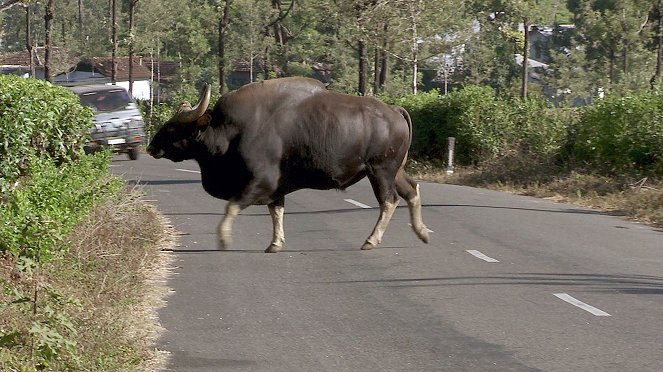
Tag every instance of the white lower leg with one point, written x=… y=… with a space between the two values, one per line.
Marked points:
x=386 y=211
x=414 y=205
x=226 y=225
x=278 y=237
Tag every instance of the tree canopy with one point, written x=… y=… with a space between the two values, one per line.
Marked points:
x=364 y=46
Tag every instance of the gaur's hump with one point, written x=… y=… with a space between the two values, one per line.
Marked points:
x=287 y=84
x=273 y=93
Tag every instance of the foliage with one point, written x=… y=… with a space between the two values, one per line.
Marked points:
x=155 y=116
x=38 y=119
x=485 y=126
x=621 y=134
x=83 y=312
x=475 y=116
x=44 y=208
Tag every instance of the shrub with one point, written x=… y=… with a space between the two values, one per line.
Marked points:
x=541 y=129
x=38 y=118
x=155 y=116
x=621 y=135
x=480 y=121
x=482 y=124
x=42 y=210
x=429 y=122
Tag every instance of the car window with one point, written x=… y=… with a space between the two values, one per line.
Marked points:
x=108 y=100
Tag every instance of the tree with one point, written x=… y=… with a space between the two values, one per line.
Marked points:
x=224 y=20
x=513 y=15
x=247 y=33
x=132 y=8
x=50 y=11
x=656 y=15
x=7 y=4
x=113 y=11
x=614 y=33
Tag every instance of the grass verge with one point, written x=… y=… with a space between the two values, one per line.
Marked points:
x=636 y=198
x=103 y=292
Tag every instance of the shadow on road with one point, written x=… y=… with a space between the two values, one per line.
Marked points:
x=160 y=182
x=627 y=284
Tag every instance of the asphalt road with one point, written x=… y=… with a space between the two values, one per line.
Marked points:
x=508 y=283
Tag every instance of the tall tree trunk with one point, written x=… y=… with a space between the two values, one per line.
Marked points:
x=611 y=68
x=525 y=70
x=415 y=49
x=224 y=19
x=376 y=71
x=132 y=9
x=625 y=60
x=656 y=79
x=48 y=17
x=363 y=67
x=28 y=37
x=81 y=23
x=384 y=60
x=114 y=41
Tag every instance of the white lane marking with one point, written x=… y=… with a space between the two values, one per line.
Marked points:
x=358 y=204
x=480 y=255
x=580 y=304
x=187 y=170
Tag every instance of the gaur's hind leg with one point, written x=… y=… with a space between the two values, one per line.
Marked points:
x=385 y=193
x=408 y=189
x=276 y=210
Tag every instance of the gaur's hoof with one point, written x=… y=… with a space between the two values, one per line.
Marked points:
x=273 y=248
x=367 y=246
x=424 y=236
x=224 y=244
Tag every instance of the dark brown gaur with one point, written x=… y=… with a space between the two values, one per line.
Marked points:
x=268 y=139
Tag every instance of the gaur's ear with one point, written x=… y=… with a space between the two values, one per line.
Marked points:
x=204 y=121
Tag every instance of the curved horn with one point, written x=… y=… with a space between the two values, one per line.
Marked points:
x=188 y=114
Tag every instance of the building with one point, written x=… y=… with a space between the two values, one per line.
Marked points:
x=70 y=70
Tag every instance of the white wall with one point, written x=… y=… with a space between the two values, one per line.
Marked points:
x=141 y=88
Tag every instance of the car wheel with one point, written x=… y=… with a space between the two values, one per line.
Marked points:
x=133 y=153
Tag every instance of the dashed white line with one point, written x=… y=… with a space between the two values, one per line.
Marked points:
x=480 y=255
x=575 y=302
x=358 y=204
x=187 y=170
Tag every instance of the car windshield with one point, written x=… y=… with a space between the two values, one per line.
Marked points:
x=107 y=100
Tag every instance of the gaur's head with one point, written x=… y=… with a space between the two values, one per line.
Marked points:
x=174 y=139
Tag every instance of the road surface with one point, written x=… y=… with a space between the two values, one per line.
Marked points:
x=508 y=283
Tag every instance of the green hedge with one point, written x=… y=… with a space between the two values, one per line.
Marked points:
x=621 y=135
x=38 y=118
x=38 y=214
x=47 y=183
x=485 y=126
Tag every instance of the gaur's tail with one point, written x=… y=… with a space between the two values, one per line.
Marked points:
x=408 y=119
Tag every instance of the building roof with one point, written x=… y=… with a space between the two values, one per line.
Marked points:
x=104 y=65
x=62 y=59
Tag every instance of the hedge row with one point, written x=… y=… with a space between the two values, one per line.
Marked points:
x=38 y=119
x=42 y=132
x=617 y=135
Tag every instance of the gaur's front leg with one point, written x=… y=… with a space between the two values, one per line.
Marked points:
x=252 y=194
x=276 y=210
x=226 y=224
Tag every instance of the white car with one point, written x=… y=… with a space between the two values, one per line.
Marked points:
x=118 y=123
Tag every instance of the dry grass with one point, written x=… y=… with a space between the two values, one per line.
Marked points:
x=638 y=199
x=115 y=272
